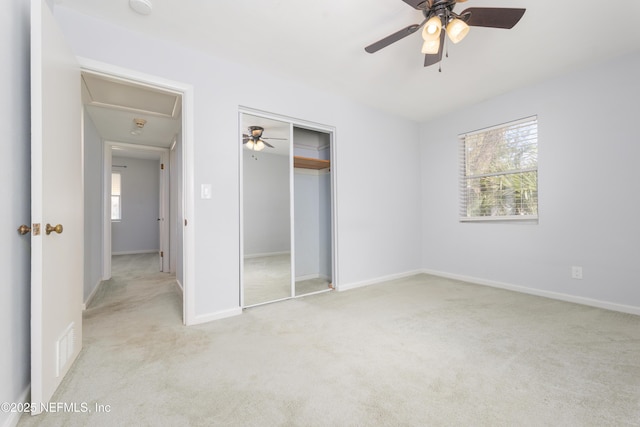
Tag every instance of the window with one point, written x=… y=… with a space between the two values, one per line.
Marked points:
x=499 y=172
x=116 y=206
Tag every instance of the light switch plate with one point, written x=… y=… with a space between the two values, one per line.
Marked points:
x=205 y=191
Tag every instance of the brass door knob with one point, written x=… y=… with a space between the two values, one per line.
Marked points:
x=49 y=228
x=24 y=229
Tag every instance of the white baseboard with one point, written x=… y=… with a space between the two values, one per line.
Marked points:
x=14 y=417
x=216 y=316
x=92 y=295
x=312 y=276
x=147 y=251
x=355 y=285
x=266 y=254
x=180 y=287
x=538 y=292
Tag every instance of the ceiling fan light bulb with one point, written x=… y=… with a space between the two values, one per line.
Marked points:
x=457 y=30
x=250 y=144
x=259 y=145
x=431 y=47
x=432 y=28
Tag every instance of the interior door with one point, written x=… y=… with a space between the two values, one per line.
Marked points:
x=163 y=214
x=56 y=206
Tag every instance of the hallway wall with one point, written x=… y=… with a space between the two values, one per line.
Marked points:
x=93 y=245
x=138 y=230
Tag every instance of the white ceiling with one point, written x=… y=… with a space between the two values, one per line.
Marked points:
x=114 y=105
x=321 y=43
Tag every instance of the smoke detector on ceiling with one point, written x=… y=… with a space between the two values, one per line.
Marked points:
x=143 y=7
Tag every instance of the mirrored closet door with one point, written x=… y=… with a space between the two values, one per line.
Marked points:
x=266 y=184
x=287 y=248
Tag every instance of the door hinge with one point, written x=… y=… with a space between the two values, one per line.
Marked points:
x=185 y=222
x=162 y=166
x=161 y=254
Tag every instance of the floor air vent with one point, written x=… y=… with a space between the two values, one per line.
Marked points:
x=65 y=348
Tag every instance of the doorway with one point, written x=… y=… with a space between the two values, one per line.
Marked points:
x=148 y=119
x=139 y=196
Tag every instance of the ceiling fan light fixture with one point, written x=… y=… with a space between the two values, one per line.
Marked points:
x=457 y=30
x=259 y=145
x=432 y=28
x=250 y=144
x=431 y=47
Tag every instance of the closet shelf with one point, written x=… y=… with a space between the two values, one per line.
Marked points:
x=309 y=163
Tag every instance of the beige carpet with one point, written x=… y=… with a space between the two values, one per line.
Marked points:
x=421 y=351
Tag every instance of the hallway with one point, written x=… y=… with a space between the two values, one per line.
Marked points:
x=136 y=286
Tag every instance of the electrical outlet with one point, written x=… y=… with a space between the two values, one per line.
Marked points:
x=576 y=272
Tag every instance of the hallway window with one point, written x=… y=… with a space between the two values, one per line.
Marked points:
x=116 y=207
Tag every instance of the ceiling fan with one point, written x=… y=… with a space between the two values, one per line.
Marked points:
x=439 y=16
x=254 y=140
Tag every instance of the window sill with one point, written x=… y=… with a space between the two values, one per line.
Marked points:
x=523 y=219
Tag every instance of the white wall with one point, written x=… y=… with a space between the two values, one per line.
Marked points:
x=324 y=241
x=588 y=174
x=267 y=218
x=138 y=230
x=307 y=222
x=312 y=194
x=378 y=193
x=311 y=143
x=92 y=207
x=14 y=193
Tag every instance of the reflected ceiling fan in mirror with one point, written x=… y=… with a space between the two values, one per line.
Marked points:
x=439 y=18
x=254 y=140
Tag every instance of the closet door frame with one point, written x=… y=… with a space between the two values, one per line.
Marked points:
x=298 y=123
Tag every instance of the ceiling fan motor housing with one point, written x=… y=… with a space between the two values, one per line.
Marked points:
x=256 y=131
x=443 y=9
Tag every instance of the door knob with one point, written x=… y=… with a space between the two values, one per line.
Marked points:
x=49 y=228
x=24 y=229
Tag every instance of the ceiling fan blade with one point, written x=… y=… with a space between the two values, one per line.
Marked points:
x=282 y=139
x=493 y=17
x=267 y=144
x=419 y=4
x=431 y=59
x=398 y=35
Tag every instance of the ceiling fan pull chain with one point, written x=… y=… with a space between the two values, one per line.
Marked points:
x=446 y=47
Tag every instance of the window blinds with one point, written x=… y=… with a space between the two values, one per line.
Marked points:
x=499 y=172
x=115 y=184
